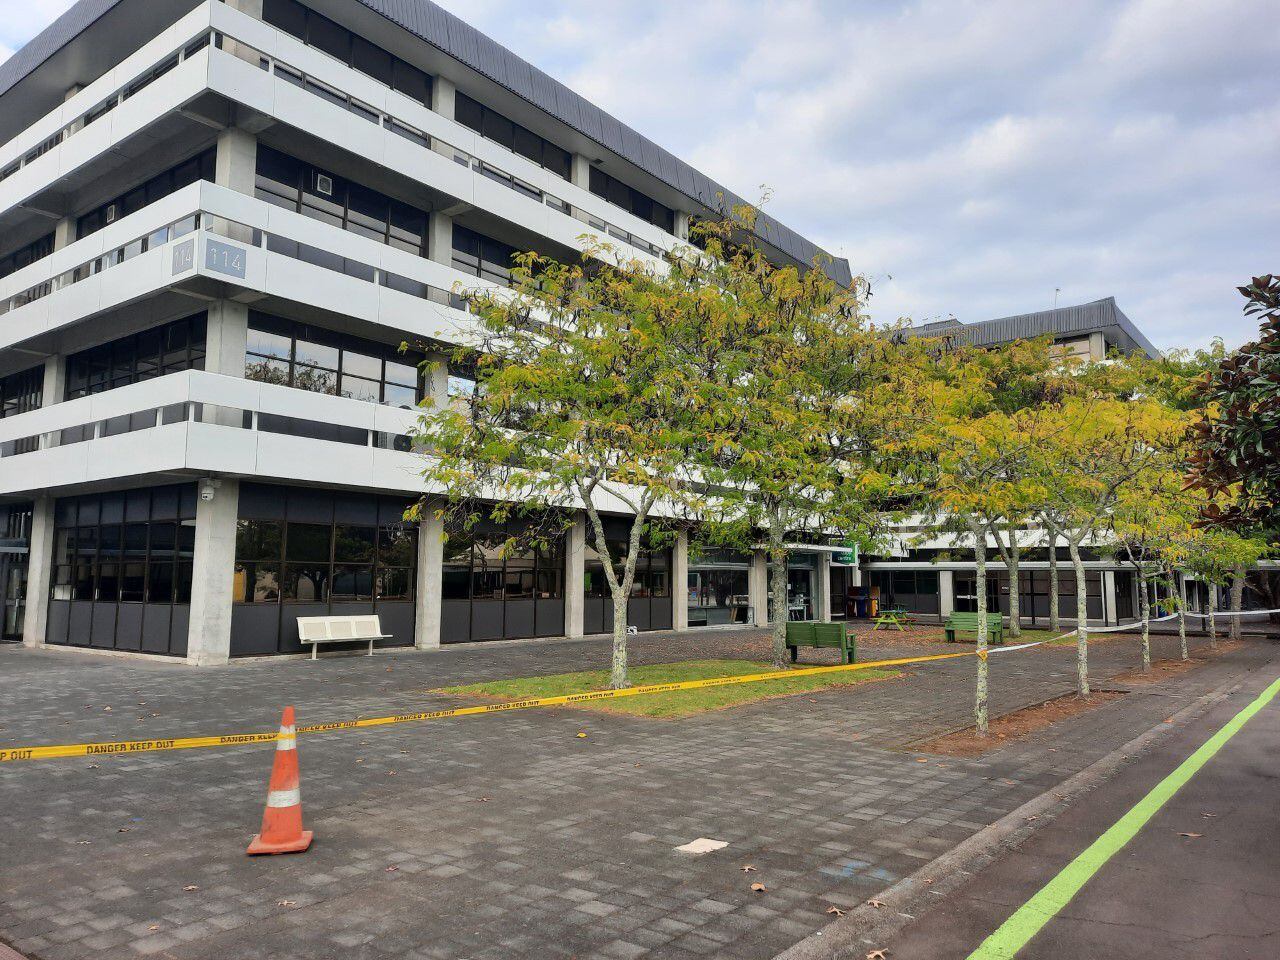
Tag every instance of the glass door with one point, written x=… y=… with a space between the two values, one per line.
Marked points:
x=13 y=589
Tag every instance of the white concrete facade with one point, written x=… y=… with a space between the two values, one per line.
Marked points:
x=233 y=84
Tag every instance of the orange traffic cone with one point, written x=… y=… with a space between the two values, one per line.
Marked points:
x=282 y=820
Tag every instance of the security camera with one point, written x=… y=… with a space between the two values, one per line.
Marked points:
x=209 y=489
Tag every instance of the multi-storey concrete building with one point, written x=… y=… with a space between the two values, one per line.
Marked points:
x=218 y=223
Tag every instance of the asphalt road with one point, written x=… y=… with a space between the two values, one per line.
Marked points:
x=1165 y=894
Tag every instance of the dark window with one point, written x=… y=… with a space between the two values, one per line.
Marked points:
x=25 y=256
x=494 y=126
x=289 y=15
x=482 y=256
x=325 y=35
x=412 y=82
x=310 y=358
x=199 y=167
x=372 y=60
x=121 y=548
x=176 y=346
x=632 y=200
x=21 y=393
x=294 y=185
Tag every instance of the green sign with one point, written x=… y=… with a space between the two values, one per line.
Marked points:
x=849 y=557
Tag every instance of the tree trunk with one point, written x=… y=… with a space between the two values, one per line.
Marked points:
x=980 y=694
x=1082 y=620
x=1237 y=602
x=1015 y=585
x=1055 y=619
x=1144 y=609
x=1180 y=585
x=618 y=670
x=1213 y=616
x=781 y=604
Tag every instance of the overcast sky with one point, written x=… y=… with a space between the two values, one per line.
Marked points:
x=968 y=157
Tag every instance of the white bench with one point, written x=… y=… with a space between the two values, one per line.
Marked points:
x=318 y=630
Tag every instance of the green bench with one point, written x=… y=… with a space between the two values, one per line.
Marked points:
x=811 y=634
x=968 y=623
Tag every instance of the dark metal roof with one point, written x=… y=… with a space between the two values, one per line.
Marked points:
x=436 y=26
x=1100 y=316
x=50 y=40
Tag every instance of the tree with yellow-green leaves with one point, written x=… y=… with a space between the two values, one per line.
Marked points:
x=975 y=461
x=802 y=400
x=1097 y=444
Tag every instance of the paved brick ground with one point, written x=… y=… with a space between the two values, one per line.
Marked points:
x=507 y=835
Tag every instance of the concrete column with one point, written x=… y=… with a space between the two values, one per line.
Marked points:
x=442 y=96
x=946 y=592
x=682 y=224
x=1109 y=607
x=575 y=578
x=35 y=621
x=209 y=638
x=430 y=582
x=440 y=238
x=227 y=338
x=254 y=9
x=758 y=588
x=52 y=391
x=236 y=168
x=580 y=172
x=680 y=582
x=823 y=588
x=64 y=233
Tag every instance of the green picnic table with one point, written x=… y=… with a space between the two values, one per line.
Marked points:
x=892 y=617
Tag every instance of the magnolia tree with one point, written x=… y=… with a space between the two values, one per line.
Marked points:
x=584 y=400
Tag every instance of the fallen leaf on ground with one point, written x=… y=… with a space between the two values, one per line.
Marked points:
x=582 y=736
x=876 y=903
x=928 y=879
x=84 y=842
x=287 y=903
x=877 y=954
x=154 y=926
x=835 y=910
x=481 y=799
x=1034 y=816
x=1193 y=836
x=1208 y=814
x=749 y=869
x=758 y=887
x=124 y=829
x=392 y=869
x=189 y=887
x=922 y=760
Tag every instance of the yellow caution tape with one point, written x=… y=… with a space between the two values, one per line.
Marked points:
x=189 y=743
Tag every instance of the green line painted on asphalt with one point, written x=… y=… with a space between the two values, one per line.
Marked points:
x=1027 y=921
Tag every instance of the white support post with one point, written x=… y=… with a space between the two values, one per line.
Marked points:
x=824 y=587
x=430 y=581
x=580 y=171
x=758 y=587
x=680 y=582
x=575 y=579
x=1109 y=608
x=440 y=238
x=946 y=593
x=35 y=622
x=213 y=579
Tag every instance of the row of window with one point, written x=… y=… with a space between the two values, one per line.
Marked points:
x=310 y=358
x=310 y=546
x=171 y=348
x=136 y=546
x=475 y=567
x=199 y=167
x=494 y=126
x=628 y=198
x=27 y=255
x=481 y=256
x=290 y=183
x=21 y=392
x=351 y=49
